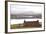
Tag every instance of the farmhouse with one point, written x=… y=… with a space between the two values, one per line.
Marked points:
x=31 y=23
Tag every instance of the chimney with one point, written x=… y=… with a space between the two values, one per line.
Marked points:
x=24 y=21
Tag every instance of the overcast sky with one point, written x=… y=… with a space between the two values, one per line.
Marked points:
x=25 y=8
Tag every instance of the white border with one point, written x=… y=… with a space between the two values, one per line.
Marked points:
x=29 y=29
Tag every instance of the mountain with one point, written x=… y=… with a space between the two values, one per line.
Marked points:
x=27 y=13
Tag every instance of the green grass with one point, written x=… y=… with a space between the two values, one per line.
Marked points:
x=13 y=26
